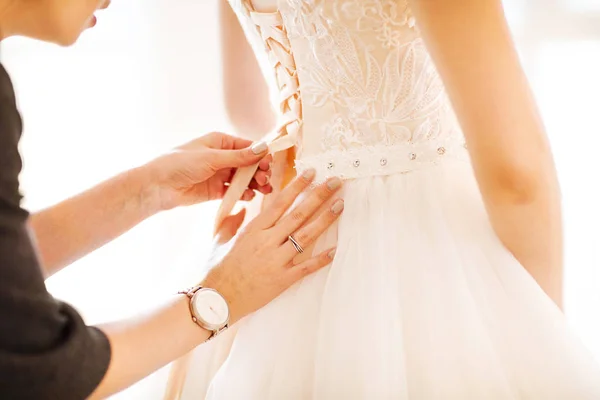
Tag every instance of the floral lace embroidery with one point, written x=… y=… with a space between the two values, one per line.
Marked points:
x=384 y=17
x=363 y=64
x=368 y=63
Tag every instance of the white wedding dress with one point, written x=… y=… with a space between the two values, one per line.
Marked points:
x=422 y=301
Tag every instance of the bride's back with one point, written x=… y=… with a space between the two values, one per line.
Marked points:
x=357 y=80
x=422 y=299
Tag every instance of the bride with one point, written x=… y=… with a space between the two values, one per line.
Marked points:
x=448 y=270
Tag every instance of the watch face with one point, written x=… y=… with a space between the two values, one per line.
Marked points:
x=210 y=308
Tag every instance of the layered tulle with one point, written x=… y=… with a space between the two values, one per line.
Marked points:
x=421 y=302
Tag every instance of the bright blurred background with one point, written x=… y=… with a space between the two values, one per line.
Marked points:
x=148 y=78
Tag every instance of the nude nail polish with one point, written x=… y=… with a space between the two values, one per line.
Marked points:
x=331 y=254
x=259 y=148
x=334 y=183
x=309 y=173
x=337 y=207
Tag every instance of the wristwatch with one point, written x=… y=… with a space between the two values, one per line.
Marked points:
x=208 y=309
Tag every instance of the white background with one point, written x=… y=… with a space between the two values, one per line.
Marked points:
x=148 y=78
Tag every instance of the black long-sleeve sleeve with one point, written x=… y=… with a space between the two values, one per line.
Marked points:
x=46 y=350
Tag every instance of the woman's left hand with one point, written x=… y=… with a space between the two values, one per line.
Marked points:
x=201 y=170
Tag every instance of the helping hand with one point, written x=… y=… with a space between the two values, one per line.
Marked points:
x=201 y=169
x=261 y=262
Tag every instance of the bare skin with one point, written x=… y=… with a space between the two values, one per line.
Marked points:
x=193 y=173
x=246 y=93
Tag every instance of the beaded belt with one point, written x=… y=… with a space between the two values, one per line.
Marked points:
x=380 y=160
x=353 y=163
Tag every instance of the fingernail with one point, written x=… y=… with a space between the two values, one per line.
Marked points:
x=334 y=183
x=267 y=179
x=338 y=206
x=259 y=148
x=309 y=173
x=331 y=254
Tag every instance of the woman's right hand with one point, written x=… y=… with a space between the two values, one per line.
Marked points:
x=260 y=264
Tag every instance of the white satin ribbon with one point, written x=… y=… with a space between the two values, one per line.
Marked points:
x=243 y=177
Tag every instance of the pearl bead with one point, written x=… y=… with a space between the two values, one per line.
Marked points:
x=383 y=162
x=356 y=163
x=441 y=150
x=412 y=156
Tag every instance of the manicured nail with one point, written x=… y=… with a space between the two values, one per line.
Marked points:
x=309 y=173
x=334 y=183
x=331 y=254
x=338 y=206
x=259 y=148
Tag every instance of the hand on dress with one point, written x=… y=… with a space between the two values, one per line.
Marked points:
x=262 y=262
x=201 y=170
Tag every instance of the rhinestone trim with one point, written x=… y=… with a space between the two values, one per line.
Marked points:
x=380 y=160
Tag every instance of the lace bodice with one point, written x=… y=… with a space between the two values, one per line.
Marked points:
x=358 y=93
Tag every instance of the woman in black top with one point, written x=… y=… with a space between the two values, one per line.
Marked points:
x=46 y=350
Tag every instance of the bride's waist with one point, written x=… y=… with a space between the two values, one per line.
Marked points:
x=380 y=160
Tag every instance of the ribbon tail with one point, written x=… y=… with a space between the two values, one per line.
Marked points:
x=242 y=178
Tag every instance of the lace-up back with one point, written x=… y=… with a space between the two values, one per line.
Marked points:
x=372 y=100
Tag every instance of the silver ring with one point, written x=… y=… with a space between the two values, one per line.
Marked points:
x=296 y=245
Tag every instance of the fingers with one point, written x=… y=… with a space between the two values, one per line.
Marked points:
x=284 y=200
x=240 y=143
x=248 y=195
x=310 y=232
x=226 y=151
x=251 y=190
x=266 y=189
x=311 y=265
x=298 y=216
x=223 y=141
x=265 y=163
x=220 y=159
x=260 y=183
x=262 y=177
x=230 y=151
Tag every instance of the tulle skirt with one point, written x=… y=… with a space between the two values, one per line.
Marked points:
x=422 y=302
